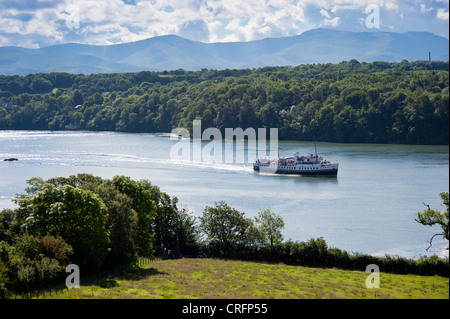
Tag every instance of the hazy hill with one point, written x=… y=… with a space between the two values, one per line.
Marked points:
x=174 y=52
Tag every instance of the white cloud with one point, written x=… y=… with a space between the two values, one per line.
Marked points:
x=332 y=22
x=253 y=21
x=442 y=14
x=325 y=13
x=113 y=21
x=425 y=9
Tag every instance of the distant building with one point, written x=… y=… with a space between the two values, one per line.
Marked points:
x=71 y=126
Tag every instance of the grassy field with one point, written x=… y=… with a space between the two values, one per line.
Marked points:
x=215 y=278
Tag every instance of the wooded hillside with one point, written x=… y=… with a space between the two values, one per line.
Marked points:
x=377 y=102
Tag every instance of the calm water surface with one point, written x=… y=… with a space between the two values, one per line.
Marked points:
x=368 y=208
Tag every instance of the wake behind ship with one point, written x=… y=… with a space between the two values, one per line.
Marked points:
x=311 y=164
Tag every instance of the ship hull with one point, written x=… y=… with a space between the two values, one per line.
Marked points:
x=297 y=171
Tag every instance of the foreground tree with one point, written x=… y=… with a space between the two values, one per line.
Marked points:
x=431 y=217
x=225 y=227
x=175 y=231
x=143 y=203
x=121 y=223
x=31 y=263
x=4 y=280
x=6 y=220
x=77 y=216
x=270 y=226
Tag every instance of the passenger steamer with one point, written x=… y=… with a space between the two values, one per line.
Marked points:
x=311 y=164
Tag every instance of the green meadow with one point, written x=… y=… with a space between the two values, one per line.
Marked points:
x=221 y=279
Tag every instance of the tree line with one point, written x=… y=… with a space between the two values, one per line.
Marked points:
x=377 y=102
x=92 y=222
x=100 y=224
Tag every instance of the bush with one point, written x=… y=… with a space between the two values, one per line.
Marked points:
x=433 y=266
x=339 y=258
x=4 y=280
x=55 y=248
x=27 y=267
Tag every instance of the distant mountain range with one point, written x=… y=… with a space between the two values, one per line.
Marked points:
x=173 y=52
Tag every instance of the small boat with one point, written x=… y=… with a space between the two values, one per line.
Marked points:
x=10 y=160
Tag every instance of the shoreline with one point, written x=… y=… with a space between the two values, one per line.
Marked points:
x=170 y=134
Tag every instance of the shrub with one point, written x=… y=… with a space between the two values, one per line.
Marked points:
x=26 y=267
x=4 y=280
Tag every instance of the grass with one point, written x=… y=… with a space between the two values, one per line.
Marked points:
x=221 y=279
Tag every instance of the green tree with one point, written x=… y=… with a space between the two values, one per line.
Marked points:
x=6 y=221
x=4 y=281
x=143 y=202
x=224 y=226
x=121 y=223
x=40 y=85
x=174 y=229
x=77 y=216
x=77 y=98
x=270 y=226
x=35 y=184
x=431 y=217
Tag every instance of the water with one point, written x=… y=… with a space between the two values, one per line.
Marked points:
x=369 y=208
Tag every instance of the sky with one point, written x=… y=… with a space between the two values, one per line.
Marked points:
x=40 y=23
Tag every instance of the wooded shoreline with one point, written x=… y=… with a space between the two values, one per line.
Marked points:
x=349 y=102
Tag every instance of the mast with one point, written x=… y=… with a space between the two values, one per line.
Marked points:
x=315 y=146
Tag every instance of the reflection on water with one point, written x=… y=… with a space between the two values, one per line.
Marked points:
x=369 y=207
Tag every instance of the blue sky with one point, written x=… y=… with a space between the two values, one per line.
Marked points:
x=39 y=23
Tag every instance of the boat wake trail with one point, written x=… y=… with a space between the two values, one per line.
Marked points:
x=215 y=166
x=113 y=159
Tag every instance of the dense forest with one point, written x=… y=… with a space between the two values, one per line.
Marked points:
x=377 y=102
x=100 y=224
